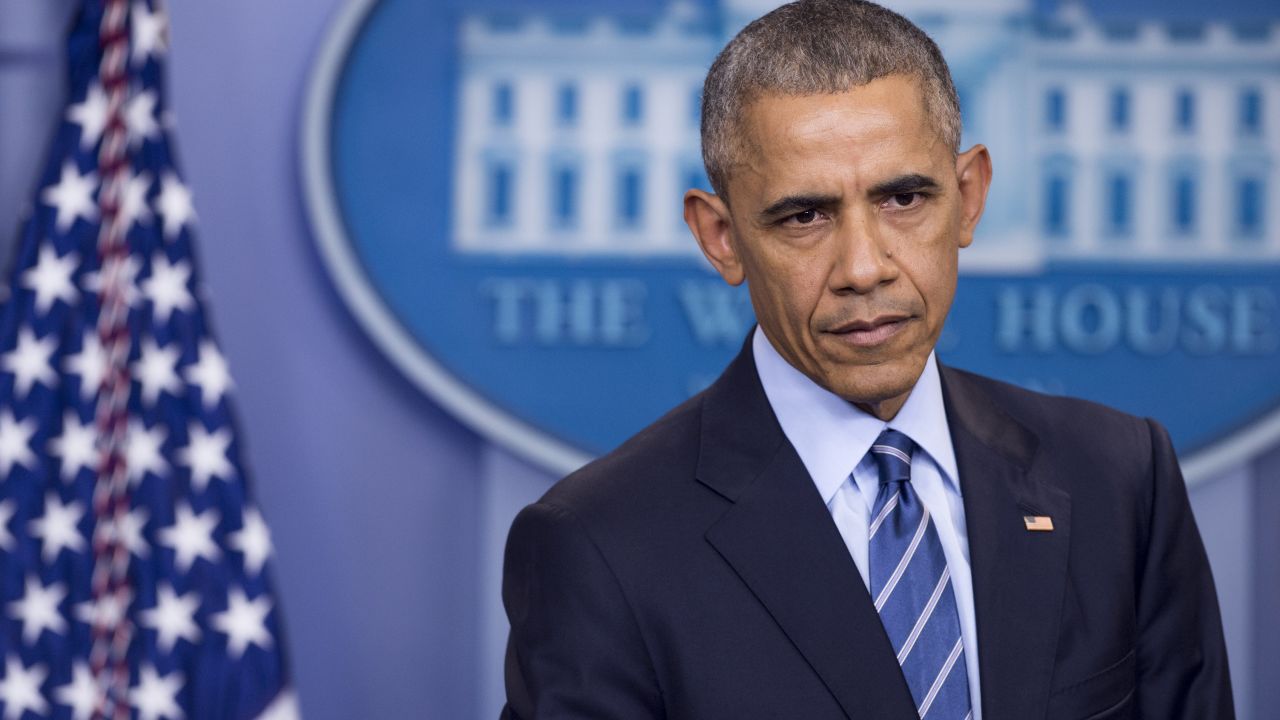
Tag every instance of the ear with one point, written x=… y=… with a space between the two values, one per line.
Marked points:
x=973 y=171
x=708 y=218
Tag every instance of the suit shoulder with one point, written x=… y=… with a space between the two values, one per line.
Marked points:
x=1068 y=424
x=1038 y=408
x=660 y=457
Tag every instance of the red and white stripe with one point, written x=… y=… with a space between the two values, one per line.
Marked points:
x=108 y=658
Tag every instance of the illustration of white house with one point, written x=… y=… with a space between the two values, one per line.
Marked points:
x=1137 y=141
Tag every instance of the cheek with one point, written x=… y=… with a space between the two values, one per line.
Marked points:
x=790 y=294
x=801 y=290
x=923 y=231
x=935 y=280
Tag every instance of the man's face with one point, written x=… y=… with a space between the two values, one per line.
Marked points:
x=847 y=212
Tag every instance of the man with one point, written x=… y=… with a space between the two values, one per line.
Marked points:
x=839 y=527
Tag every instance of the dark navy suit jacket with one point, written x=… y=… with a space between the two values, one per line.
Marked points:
x=695 y=573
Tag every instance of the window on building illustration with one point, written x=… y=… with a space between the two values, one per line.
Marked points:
x=504 y=22
x=1055 y=109
x=1183 y=204
x=1057 y=206
x=1251 y=111
x=569 y=25
x=1120 y=30
x=1249 y=207
x=1184 y=111
x=637 y=25
x=501 y=193
x=504 y=103
x=630 y=197
x=564 y=196
x=1119 y=204
x=1251 y=32
x=632 y=104
x=1119 y=109
x=1185 y=32
x=567 y=104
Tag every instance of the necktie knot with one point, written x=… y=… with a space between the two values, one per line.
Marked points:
x=892 y=454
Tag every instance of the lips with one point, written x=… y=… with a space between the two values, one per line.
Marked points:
x=870 y=333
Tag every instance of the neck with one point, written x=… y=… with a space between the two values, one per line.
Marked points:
x=885 y=410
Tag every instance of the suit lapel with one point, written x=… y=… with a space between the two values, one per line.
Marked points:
x=780 y=539
x=1019 y=575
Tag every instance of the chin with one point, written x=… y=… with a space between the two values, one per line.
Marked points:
x=863 y=392
x=875 y=383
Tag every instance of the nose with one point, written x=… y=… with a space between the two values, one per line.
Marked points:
x=863 y=261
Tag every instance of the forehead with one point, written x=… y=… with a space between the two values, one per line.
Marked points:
x=880 y=124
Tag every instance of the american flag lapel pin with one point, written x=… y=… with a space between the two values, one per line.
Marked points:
x=1038 y=523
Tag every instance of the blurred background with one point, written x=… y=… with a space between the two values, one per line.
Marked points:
x=436 y=236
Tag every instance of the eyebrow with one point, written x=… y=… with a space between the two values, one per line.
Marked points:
x=904 y=184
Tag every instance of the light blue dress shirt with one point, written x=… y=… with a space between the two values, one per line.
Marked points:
x=833 y=438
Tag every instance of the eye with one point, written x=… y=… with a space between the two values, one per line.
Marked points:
x=904 y=200
x=803 y=220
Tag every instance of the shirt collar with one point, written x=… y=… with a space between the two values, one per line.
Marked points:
x=831 y=435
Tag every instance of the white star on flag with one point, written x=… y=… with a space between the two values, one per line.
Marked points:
x=7 y=541
x=77 y=446
x=129 y=270
x=172 y=618
x=191 y=536
x=157 y=370
x=107 y=610
x=90 y=115
x=133 y=200
x=209 y=372
x=38 y=609
x=29 y=361
x=142 y=451
x=90 y=365
x=131 y=526
x=140 y=117
x=150 y=33
x=244 y=622
x=174 y=204
x=15 y=442
x=20 y=688
x=284 y=707
x=82 y=694
x=72 y=196
x=206 y=455
x=50 y=278
x=155 y=697
x=129 y=532
x=253 y=540
x=166 y=288
x=57 y=527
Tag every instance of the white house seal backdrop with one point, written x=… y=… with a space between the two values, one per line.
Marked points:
x=496 y=193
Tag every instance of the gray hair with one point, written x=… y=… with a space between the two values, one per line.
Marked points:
x=813 y=47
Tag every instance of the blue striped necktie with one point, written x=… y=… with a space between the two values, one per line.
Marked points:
x=911 y=587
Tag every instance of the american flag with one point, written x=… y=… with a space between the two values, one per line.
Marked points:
x=133 y=560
